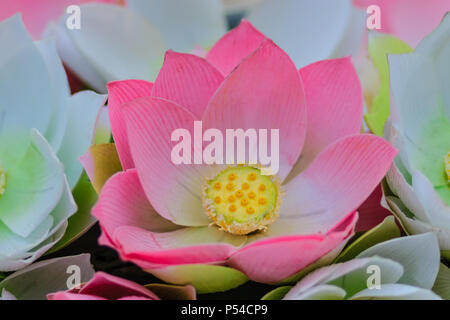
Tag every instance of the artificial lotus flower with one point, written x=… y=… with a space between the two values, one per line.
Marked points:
x=39 y=146
x=164 y=217
x=418 y=188
x=407 y=269
x=107 y=287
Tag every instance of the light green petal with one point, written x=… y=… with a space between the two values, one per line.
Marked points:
x=386 y=230
x=39 y=279
x=418 y=115
x=442 y=284
x=378 y=108
x=436 y=207
x=437 y=44
x=25 y=98
x=351 y=276
x=296 y=27
x=130 y=47
x=17 y=251
x=103 y=127
x=184 y=24
x=419 y=255
x=277 y=294
x=205 y=278
x=396 y=292
x=60 y=93
x=84 y=108
x=33 y=188
x=413 y=226
x=323 y=292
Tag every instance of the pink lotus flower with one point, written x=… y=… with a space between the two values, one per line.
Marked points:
x=153 y=213
x=107 y=287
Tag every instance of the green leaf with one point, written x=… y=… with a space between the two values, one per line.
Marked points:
x=277 y=294
x=442 y=283
x=386 y=230
x=205 y=278
x=85 y=198
x=379 y=46
x=171 y=292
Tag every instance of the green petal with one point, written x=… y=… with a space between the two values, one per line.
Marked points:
x=277 y=294
x=101 y=162
x=379 y=46
x=34 y=185
x=205 y=278
x=85 y=198
x=386 y=230
x=396 y=292
x=419 y=255
x=39 y=279
x=442 y=284
x=171 y=292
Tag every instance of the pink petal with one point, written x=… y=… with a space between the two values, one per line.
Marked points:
x=122 y=202
x=334 y=103
x=112 y=288
x=152 y=250
x=234 y=46
x=264 y=92
x=173 y=190
x=275 y=259
x=409 y=20
x=371 y=213
x=187 y=80
x=65 y=295
x=36 y=14
x=119 y=93
x=338 y=181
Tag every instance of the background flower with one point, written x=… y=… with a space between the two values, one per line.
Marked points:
x=38 y=170
x=417 y=190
